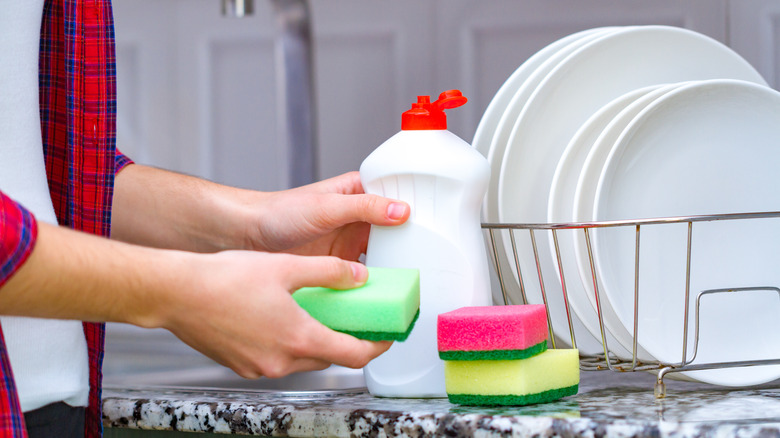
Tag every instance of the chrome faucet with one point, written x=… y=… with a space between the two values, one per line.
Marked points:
x=238 y=8
x=296 y=127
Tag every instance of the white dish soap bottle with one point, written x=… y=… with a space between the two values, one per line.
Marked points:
x=444 y=180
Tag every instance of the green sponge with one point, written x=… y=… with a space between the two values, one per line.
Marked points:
x=385 y=308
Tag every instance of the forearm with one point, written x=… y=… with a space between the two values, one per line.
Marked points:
x=157 y=208
x=73 y=275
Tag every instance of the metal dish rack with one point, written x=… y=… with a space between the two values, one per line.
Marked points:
x=608 y=360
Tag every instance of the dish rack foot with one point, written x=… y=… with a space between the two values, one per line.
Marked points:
x=659 y=390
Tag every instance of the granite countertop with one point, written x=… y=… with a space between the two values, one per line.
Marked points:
x=608 y=404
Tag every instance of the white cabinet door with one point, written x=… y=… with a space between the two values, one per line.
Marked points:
x=372 y=59
x=146 y=99
x=196 y=91
x=225 y=86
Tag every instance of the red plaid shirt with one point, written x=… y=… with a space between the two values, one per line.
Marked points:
x=77 y=77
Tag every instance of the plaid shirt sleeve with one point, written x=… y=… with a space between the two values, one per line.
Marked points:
x=18 y=230
x=121 y=161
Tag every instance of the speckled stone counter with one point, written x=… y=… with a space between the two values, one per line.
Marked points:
x=609 y=404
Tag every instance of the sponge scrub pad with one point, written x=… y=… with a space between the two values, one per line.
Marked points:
x=385 y=308
x=492 y=332
x=542 y=378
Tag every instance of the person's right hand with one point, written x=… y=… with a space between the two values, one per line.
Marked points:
x=239 y=311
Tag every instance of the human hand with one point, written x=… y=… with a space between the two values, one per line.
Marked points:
x=330 y=217
x=239 y=311
x=161 y=209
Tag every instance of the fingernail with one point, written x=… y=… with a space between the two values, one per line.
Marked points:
x=396 y=210
x=359 y=272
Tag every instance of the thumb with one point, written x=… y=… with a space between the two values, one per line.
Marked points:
x=325 y=271
x=373 y=209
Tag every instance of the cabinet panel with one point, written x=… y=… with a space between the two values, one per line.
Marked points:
x=146 y=101
x=196 y=91
x=226 y=102
x=754 y=31
x=372 y=59
x=238 y=120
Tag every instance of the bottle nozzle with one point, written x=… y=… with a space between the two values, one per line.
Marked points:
x=427 y=115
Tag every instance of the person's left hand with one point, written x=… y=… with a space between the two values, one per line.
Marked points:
x=330 y=217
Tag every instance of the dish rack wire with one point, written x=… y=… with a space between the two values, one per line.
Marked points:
x=608 y=360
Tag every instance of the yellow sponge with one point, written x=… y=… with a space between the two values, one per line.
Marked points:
x=542 y=378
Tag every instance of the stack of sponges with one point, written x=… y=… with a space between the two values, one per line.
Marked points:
x=385 y=308
x=497 y=355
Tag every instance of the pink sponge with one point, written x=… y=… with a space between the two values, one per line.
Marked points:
x=492 y=332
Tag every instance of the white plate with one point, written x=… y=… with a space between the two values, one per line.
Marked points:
x=582 y=211
x=703 y=148
x=495 y=109
x=587 y=344
x=486 y=130
x=589 y=78
x=493 y=133
x=515 y=107
x=561 y=209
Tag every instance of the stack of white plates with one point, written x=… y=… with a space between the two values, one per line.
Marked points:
x=641 y=122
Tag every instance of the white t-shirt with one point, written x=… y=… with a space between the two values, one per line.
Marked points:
x=48 y=357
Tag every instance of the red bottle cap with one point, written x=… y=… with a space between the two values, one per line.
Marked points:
x=427 y=115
